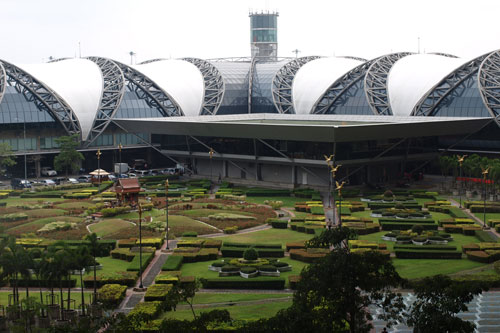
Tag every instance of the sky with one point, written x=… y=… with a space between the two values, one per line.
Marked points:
x=34 y=30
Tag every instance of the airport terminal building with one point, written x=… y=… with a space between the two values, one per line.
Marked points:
x=265 y=118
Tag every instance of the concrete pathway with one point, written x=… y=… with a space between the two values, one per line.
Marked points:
x=492 y=231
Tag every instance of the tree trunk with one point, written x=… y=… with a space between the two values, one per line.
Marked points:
x=83 y=296
x=61 y=295
x=69 y=290
x=95 y=282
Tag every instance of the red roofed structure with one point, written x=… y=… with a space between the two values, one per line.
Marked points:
x=128 y=189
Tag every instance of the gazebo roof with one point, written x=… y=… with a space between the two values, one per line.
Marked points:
x=128 y=185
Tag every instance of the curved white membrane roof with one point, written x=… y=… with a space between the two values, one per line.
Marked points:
x=413 y=76
x=180 y=79
x=314 y=78
x=78 y=82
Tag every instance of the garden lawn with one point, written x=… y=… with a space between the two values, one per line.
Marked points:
x=76 y=295
x=179 y=224
x=419 y=268
x=200 y=269
x=207 y=298
x=44 y=212
x=240 y=312
x=268 y=236
x=135 y=215
x=17 y=201
x=108 y=227
x=489 y=216
x=287 y=201
x=37 y=224
x=109 y=266
x=207 y=212
x=75 y=205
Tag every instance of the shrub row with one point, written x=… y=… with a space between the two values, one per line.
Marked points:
x=13 y=217
x=237 y=252
x=409 y=221
x=262 y=192
x=44 y=283
x=111 y=295
x=246 y=245
x=201 y=255
x=134 y=265
x=239 y=283
x=45 y=194
x=428 y=254
x=157 y=292
x=425 y=247
x=279 y=224
x=308 y=255
x=405 y=226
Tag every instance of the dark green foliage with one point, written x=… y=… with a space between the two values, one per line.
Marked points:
x=262 y=246
x=262 y=192
x=111 y=295
x=239 y=283
x=405 y=226
x=68 y=158
x=425 y=247
x=427 y=254
x=439 y=300
x=46 y=194
x=190 y=234
x=237 y=252
x=248 y=270
x=135 y=263
x=251 y=254
x=485 y=236
x=279 y=224
x=417 y=228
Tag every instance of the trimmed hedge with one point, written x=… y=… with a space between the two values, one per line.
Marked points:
x=157 y=292
x=280 y=224
x=262 y=192
x=406 y=226
x=111 y=295
x=46 y=194
x=239 y=283
x=409 y=221
x=135 y=263
x=147 y=310
x=245 y=245
x=308 y=255
x=44 y=283
x=428 y=254
x=485 y=236
x=190 y=234
x=425 y=247
x=237 y=252
x=173 y=263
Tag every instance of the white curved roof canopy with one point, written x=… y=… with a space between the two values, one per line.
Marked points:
x=180 y=79
x=314 y=78
x=77 y=81
x=413 y=76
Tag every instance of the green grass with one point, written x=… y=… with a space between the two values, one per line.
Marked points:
x=135 y=215
x=107 y=227
x=419 y=268
x=200 y=269
x=45 y=212
x=208 y=212
x=287 y=201
x=179 y=224
x=268 y=236
x=207 y=298
x=240 y=312
x=17 y=201
x=77 y=296
x=75 y=205
x=41 y=222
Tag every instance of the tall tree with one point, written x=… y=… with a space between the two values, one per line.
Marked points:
x=95 y=249
x=439 y=299
x=68 y=158
x=6 y=157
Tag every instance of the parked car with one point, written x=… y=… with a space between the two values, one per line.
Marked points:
x=112 y=177
x=47 y=171
x=59 y=180
x=142 y=173
x=47 y=182
x=169 y=171
x=123 y=175
x=132 y=175
x=20 y=184
x=84 y=179
x=72 y=180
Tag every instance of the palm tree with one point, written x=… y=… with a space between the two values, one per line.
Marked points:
x=83 y=259
x=59 y=266
x=14 y=263
x=95 y=248
x=39 y=274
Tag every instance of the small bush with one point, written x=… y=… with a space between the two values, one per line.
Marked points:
x=157 y=292
x=239 y=283
x=111 y=295
x=251 y=254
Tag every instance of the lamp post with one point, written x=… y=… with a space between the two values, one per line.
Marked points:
x=99 y=165
x=328 y=159
x=211 y=154
x=485 y=174
x=166 y=208
x=120 y=157
x=339 y=188
x=140 y=244
x=25 y=164
x=460 y=162
x=333 y=170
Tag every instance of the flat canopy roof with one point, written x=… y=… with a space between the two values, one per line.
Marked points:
x=317 y=128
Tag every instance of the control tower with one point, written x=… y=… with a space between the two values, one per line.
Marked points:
x=264 y=35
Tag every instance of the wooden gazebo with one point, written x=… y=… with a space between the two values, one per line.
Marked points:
x=128 y=190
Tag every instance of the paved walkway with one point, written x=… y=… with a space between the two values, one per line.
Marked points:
x=475 y=218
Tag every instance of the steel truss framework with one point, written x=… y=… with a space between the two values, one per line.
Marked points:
x=354 y=58
x=112 y=94
x=44 y=98
x=428 y=104
x=150 y=92
x=250 y=84
x=489 y=83
x=444 y=54
x=3 y=82
x=282 y=84
x=376 y=83
x=329 y=101
x=214 y=86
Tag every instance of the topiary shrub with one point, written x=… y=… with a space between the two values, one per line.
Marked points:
x=388 y=194
x=251 y=254
x=417 y=228
x=248 y=270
